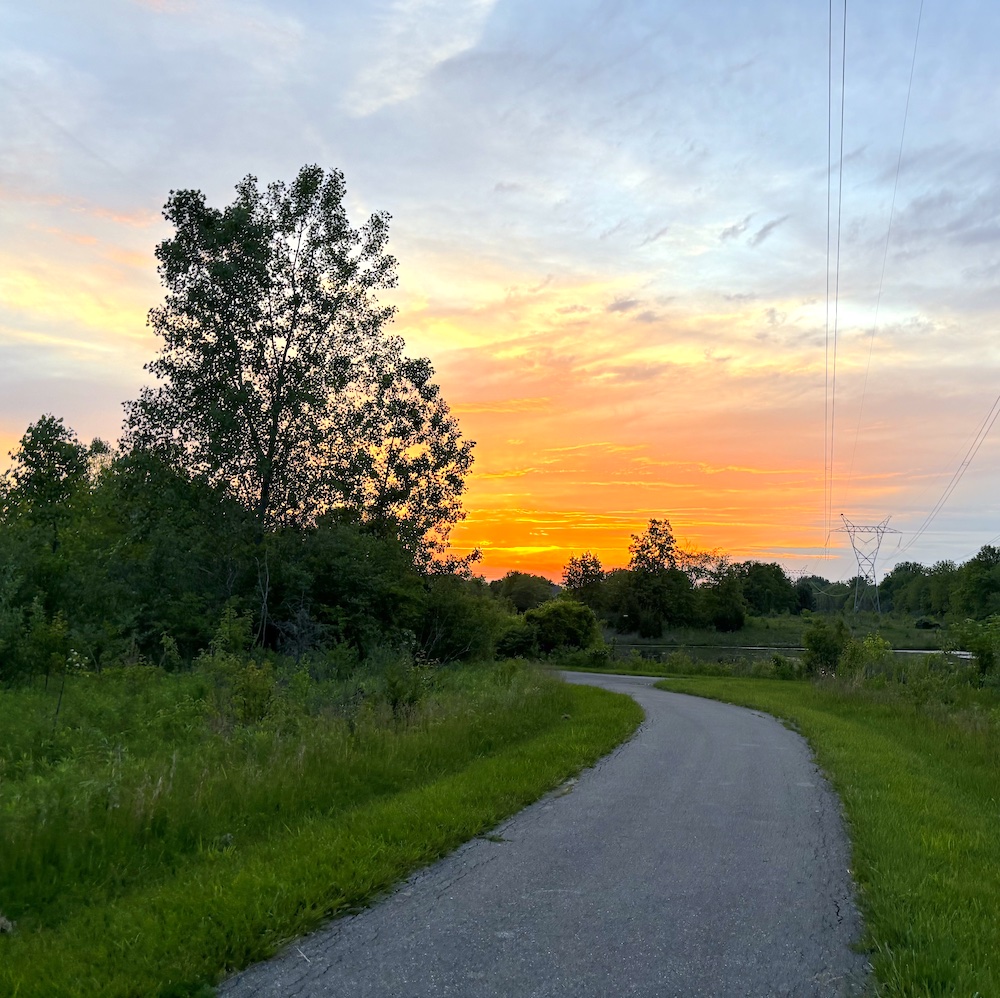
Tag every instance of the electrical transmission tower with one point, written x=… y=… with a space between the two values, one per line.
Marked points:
x=866 y=540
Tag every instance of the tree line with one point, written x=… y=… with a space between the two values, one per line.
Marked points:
x=290 y=466
x=290 y=476
x=665 y=586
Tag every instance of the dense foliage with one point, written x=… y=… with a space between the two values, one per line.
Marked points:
x=667 y=588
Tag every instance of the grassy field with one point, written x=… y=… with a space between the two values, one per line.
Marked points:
x=917 y=766
x=161 y=829
x=786 y=631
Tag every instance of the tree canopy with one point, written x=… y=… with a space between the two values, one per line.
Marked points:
x=276 y=377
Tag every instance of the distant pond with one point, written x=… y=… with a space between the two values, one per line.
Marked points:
x=730 y=653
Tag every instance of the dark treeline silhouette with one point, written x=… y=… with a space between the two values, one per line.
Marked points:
x=292 y=476
x=666 y=587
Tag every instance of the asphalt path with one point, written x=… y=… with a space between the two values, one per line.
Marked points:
x=705 y=856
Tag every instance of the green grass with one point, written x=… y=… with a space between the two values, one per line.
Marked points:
x=684 y=663
x=786 y=631
x=917 y=767
x=151 y=843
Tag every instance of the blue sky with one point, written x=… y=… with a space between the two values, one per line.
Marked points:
x=611 y=227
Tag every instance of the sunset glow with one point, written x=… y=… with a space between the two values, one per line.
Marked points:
x=611 y=227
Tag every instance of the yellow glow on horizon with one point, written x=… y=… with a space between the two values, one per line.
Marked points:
x=593 y=412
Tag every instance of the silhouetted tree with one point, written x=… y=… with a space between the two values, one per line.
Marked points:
x=275 y=376
x=583 y=578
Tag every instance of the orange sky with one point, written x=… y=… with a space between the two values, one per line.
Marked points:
x=611 y=226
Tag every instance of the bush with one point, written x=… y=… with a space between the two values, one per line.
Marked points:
x=864 y=659
x=786 y=668
x=563 y=623
x=982 y=638
x=518 y=641
x=824 y=645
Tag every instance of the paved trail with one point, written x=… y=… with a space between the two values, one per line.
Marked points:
x=704 y=857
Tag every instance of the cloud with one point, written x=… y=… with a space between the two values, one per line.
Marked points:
x=510 y=473
x=732 y=231
x=637 y=373
x=504 y=405
x=659 y=234
x=623 y=305
x=765 y=230
x=417 y=37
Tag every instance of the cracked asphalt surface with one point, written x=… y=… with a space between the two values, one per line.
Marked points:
x=705 y=856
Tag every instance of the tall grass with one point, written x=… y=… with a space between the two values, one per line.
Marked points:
x=152 y=839
x=914 y=752
x=788 y=630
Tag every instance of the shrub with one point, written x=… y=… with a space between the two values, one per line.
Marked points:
x=982 y=638
x=518 y=641
x=864 y=659
x=824 y=644
x=786 y=668
x=563 y=623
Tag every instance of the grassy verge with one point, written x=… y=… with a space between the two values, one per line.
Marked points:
x=918 y=770
x=788 y=631
x=292 y=822
x=682 y=663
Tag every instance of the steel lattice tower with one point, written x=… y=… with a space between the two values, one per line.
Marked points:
x=866 y=541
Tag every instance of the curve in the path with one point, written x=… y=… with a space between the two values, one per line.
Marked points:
x=705 y=856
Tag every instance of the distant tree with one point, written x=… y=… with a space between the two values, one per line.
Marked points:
x=582 y=579
x=826 y=596
x=524 y=590
x=766 y=588
x=654 y=550
x=725 y=603
x=942 y=584
x=50 y=465
x=905 y=589
x=657 y=593
x=977 y=593
x=805 y=597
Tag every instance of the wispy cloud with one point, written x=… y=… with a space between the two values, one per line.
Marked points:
x=417 y=36
x=623 y=305
x=504 y=405
x=737 y=229
x=765 y=230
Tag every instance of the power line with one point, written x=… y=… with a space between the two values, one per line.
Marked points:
x=826 y=355
x=830 y=369
x=836 y=289
x=981 y=434
x=885 y=251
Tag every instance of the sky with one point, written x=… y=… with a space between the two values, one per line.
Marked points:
x=612 y=227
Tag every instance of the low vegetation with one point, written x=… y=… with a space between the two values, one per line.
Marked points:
x=161 y=828
x=913 y=748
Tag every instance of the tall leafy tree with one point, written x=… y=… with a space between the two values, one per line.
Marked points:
x=50 y=466
x=397 y=457
x=766 y=587
x=659 y=592
x=270 y=307
x=583 y=577
x=653 y=551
